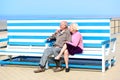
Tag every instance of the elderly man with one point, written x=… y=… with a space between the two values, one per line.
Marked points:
x=61 y=36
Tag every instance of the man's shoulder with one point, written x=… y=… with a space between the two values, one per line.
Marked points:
x=67 y=31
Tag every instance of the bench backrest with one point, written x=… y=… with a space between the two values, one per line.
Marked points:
x=35 y=32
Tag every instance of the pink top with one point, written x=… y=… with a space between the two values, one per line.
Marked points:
x=77 y=40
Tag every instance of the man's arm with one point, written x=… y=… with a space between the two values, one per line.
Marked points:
x=53 y=37
x=68 y=36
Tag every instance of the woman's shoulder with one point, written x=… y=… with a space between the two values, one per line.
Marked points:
x=78 y=34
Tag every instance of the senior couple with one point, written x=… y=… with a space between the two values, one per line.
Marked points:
x=68 y=41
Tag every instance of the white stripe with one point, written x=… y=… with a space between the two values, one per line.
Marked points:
x=24 y=47
x=33 y=27
x=27 y=50
x=3 y=43
x=27 y=40
x=30 y=34
x=57 y=27
x=94 y=27
x=54 y=21
x=49 y=34
x=92 y=41
x=43 y=40
x=92 y=49
x=96 y=34
x=3 y=37
x=20 y=47
x=92 y=52
x=20 y=54
x=30 y=49
x=36 y=54
x=86 y=57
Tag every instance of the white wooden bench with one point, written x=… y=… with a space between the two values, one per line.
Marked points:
x=28 y=38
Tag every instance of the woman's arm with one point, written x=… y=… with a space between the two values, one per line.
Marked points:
x=75 y=39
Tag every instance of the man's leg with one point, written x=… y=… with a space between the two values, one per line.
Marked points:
x=43 y=60
x=46 y=54
x=56 y=52
x=58 y=64
x=61 y=52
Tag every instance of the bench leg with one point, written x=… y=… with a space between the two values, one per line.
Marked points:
x=114 y=58
x=10 y=57
x=103 y=66
x=47 y=65
x=109 y=63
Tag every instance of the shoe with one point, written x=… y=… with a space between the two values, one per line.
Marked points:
x=57 y=62
x=54 y=68
x=58 y=69
x=67 y=69
x=57 y=58
x=39 y=70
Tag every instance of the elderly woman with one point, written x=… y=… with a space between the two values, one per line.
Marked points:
x=73 y=47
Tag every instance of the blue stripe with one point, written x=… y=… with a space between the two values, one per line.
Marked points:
x=5 y=39
x=57 y=24
x=95 y=38
x=94 y=31
x=94 y=24
x=113 y=61
x=85 y=61
x=30 y=30
x=92 y=45
x=33 y=24
x=27 y=43
x=52 y=18
x=44 y=37
x=89 y=54
x=19 y=63
x=81 y=66
x=86 y=45
x=28 y=37
x=53 y=30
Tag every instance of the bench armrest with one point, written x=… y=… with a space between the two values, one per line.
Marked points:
x=108 y=41
x=49 y=43
x=111 y=43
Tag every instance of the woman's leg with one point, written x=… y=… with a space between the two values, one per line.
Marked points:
x=66 y=58
x=61 y=52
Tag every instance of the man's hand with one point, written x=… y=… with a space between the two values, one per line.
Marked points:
x=48 y=39
x=57 y=31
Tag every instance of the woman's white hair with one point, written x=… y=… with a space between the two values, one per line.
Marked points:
x=74 y=26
